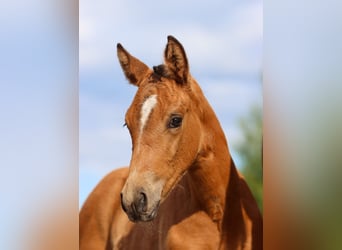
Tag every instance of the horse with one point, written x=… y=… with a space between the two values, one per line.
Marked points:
x=181 y=189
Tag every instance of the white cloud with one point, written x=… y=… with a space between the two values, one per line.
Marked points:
x=104 y=148
x=104 y=142
x=232 y=97
x=230 y=47
x=225 y=45
x=247 y=23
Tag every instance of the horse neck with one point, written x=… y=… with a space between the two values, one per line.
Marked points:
x=213 y=170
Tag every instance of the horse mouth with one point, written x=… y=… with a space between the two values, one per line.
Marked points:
x=135 y=216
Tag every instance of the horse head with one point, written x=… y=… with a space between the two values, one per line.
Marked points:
x=164 y=121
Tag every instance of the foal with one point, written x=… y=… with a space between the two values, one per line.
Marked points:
x=182 y=189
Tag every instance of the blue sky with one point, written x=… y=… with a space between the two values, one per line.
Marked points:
x=38 y=112
x=223 y=42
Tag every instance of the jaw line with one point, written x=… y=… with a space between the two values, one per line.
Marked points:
x=173 y=187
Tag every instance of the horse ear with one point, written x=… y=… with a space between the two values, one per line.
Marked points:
x=175 y=60
x=134 y=69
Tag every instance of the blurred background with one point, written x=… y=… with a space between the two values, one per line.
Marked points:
x=38 y=124
x=223 y=42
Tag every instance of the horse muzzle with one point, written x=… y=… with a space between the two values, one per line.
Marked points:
x=140 y=208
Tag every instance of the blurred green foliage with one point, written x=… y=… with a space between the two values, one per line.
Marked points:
x=250 y=151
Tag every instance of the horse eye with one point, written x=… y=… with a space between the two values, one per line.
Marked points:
x=175 y=122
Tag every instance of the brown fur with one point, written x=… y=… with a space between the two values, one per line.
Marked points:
x=186 y=173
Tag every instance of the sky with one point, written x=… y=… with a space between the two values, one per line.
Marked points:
x=223 y=43
x=38 y=113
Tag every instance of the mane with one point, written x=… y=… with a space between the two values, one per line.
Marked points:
x=159 y=72
x=163 y=71
x=198 y=97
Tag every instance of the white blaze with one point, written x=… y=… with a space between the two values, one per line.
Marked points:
x=146 y=109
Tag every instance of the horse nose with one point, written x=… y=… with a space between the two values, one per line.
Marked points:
x=139 y=206
x=122 y=203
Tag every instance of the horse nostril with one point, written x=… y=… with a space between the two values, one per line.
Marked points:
x=143 y=201
x=122 y=204
x=140 y=204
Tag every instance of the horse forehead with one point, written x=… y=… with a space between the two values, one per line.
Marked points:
x=151 y=96
x=146 y=108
